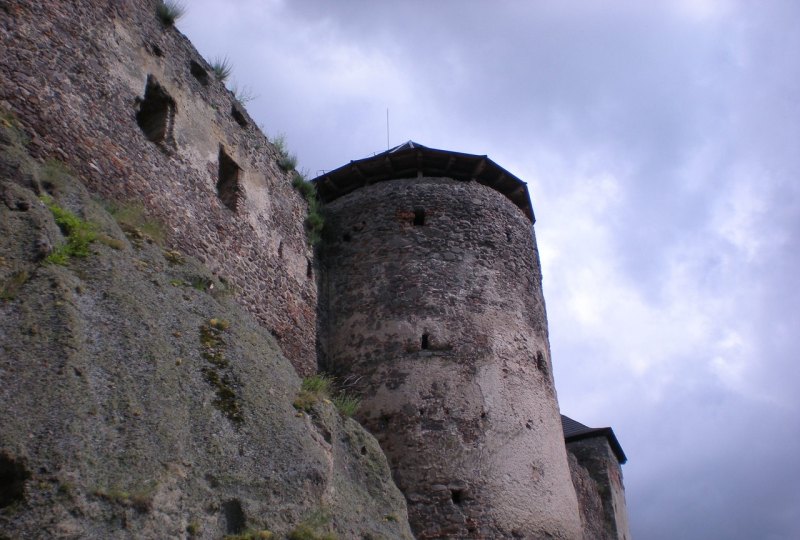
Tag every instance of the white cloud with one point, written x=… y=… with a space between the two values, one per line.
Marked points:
x=703 y=10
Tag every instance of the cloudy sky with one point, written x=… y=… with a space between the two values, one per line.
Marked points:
x=661 y=144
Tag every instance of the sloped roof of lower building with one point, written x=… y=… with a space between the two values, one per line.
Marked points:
x=410 y=160
x=575 y=431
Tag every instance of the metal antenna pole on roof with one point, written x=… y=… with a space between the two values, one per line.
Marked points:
x=387 y=128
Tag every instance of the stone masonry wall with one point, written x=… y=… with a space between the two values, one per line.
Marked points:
x=432 y=308
x=75 y=74
x=597 y=476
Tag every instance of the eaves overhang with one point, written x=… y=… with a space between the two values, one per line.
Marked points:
x=412 y=160
x=575 y=431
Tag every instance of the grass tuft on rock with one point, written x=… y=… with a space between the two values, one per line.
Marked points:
x=15 y=130
x=169 y=11
x=251 y=535
x=79 y=233
x=346 y=404
x=286 y=161
x=10 y=288
x=314 y=221
x=136 y=223
x=222 y=68
x=306 y=532
x=322 y=387
x=218 y=374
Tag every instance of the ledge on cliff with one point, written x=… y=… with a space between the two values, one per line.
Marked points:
x=138 y=401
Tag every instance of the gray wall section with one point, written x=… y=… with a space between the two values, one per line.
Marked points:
x=441 y=326
x=597 y=476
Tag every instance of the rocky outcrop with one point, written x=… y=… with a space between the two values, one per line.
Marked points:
x=138 y=400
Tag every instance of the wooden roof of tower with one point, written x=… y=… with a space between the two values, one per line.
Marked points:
x=410 y=160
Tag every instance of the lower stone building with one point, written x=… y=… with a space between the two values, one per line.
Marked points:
x=595 y=463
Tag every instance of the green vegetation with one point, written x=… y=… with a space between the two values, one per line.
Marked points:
x=347 y=404
x=174 y=256
x=193 y=528
x=319 y=384
x=309 y=529
x=314 y=221
x=251 y=535
x=204 y=284
x=9 y=289
x=306 y=532
x=66 y=488
x=242 y=94
x=222 y=68
x=286 y=161
x=136 y=224
x=200 y=283
x=321 y=387
x=219 y=324
x=10 y=122
x=141 y=501
x=218 y=374
x=110 y=241
x=52 y=173
x=313 y=389
x=169 y=11
x=80 y=234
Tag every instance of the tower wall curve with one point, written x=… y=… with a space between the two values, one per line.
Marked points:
x=432 y=309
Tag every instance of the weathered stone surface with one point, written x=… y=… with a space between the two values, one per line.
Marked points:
x=138 y=400
x=597 y=476
x=75 y=75
x=441 y=326
x=114 y=393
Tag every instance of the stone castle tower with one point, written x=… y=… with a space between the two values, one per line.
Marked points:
x=431 y=303
x=425 y=295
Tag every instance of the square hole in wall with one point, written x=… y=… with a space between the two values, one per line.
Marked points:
x=228 y=181
x=198 y=72
x=156 y=112
x=238 y=116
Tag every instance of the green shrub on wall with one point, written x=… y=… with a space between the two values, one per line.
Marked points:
x=169 y=11
x=314 y=220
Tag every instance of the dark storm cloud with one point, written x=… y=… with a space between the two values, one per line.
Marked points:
x=659 y=140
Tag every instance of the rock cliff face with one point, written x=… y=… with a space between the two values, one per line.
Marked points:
x=138 y=400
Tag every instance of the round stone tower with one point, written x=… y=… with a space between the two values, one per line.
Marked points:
x=432 y=310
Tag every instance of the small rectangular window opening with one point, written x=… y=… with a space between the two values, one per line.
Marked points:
x=199 y=72
x=541 y=363
x=419 y=217
x=425 y=343
x=238 y=116
x=228 y=182
x=156 y=112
